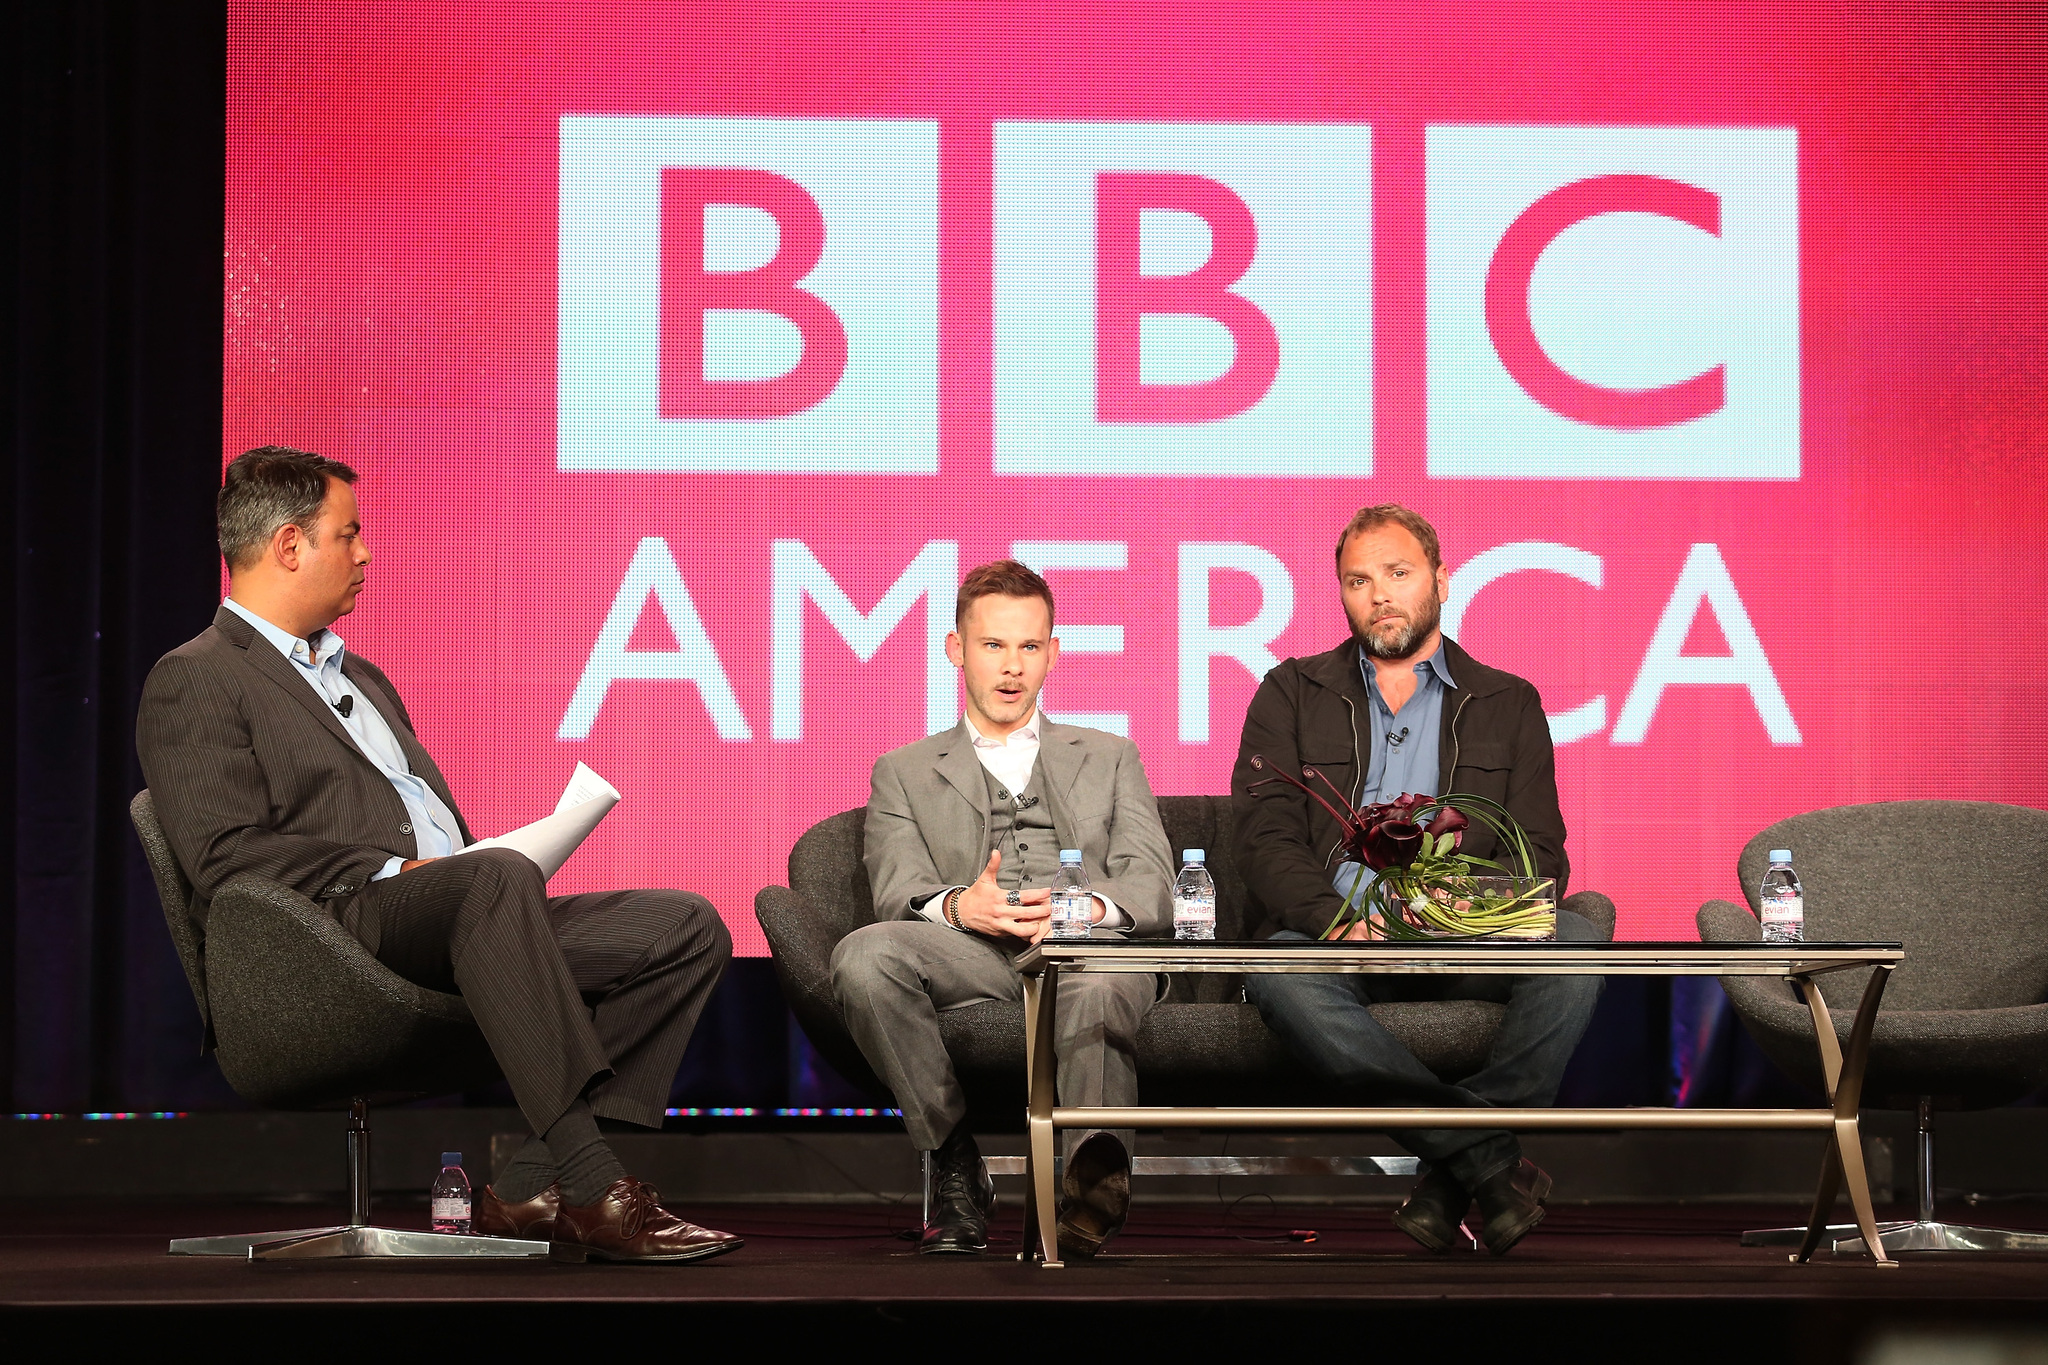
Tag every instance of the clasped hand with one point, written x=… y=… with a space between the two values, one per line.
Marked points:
x=985 y=907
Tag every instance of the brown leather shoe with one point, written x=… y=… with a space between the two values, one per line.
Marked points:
x=629 y=1224
x=531 y=1218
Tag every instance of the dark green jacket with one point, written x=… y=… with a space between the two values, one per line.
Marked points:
x=1495 y=743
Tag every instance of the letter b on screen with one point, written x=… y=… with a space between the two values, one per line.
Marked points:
x=748 y=295
x=1183 y=299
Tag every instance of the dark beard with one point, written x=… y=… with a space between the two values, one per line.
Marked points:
x=1402 y=644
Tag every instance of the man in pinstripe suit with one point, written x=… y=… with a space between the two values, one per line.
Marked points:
x=273 y=749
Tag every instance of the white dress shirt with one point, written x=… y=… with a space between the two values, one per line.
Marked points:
x=434 y=826
x=1010 y=760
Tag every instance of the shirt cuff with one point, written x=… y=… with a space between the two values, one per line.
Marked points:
x=1113 y=918
x=933 y=908
x=390 y=869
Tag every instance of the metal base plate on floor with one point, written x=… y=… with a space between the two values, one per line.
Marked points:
x=360 y=1242
x=1792 y=1237
x=1943 y=1237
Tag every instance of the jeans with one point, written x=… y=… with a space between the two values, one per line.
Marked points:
x=1324 y=1020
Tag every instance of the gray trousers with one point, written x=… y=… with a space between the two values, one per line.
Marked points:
x=579 y=996
x=893 y=979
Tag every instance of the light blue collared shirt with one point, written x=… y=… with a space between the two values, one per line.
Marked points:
x=434 y=826
x=1405 y=748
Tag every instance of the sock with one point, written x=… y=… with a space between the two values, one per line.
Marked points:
x=531 y=1170
x=585 y=1166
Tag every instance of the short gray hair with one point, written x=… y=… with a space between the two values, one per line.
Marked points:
x=270 y=487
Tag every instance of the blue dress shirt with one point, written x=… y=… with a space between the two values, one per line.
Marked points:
x=1403 y=757
x=434 y=826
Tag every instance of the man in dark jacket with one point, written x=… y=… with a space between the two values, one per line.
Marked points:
x=273 y=748
x=1399 y=709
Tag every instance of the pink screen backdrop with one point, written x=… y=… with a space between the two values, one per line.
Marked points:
x=690 y=352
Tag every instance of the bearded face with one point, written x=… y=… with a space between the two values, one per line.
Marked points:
x=1392 y=633
x=1392 y=594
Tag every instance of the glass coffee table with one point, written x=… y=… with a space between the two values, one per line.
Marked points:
x=1842 y=1164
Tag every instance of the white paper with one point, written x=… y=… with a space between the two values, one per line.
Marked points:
x=549 y=841
x=585 y=785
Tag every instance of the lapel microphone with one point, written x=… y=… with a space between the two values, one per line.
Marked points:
x=1393 y=738
x=345 y=705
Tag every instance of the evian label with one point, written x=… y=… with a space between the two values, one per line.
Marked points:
x=1784 y=917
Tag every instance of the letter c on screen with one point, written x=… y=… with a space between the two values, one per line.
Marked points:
x=1514 y=336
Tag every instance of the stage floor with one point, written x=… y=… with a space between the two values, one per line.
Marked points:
x=1193 y=1276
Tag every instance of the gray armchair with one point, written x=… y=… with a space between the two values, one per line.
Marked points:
x=1964 y=1024
x=300 y=1016
x=1200 y=1045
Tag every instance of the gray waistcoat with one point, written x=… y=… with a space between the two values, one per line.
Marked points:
x=1024 y=827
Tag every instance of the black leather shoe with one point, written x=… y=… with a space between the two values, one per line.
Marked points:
x=962 y=1196
x=1434 y=1209
x=1097 y=1196
x=1510 y=1203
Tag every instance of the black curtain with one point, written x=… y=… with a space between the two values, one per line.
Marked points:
x=117 y=168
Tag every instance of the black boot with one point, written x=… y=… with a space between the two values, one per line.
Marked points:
x=962 y=1196
x=1510 y=1203
x=1435 y=1208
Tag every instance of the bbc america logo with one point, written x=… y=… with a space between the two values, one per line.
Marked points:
x=761 y=295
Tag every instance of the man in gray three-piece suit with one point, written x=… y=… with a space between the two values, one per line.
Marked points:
x=964 y=832
x=273 y=749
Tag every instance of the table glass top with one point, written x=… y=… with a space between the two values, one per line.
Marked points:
x=1461 y=955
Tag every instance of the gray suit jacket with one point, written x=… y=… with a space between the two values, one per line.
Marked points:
x=254 y=772
x=927 y=822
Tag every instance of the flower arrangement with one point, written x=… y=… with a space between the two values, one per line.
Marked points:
x=1421 y=885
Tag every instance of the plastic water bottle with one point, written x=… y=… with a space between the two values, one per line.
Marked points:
x=450 y=1196
x=1071 y=899
x=1194 y=897
x=1784 y=905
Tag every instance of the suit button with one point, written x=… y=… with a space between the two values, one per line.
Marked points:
x=1002 y=796
x=405 y=828
x=1023 y=848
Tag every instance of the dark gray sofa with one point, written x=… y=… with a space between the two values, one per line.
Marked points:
x=1200 y=1045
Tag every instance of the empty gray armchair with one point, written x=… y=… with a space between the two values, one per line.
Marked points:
x=1963 y=885
x=299 y=1015
x=1200 y=1045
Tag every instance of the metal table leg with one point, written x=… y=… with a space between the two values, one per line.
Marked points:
x=1843 y=1163
x=1041 y=1205
x=1030 y=1249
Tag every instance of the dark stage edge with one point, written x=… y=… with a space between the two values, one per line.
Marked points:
x=1598 y=1283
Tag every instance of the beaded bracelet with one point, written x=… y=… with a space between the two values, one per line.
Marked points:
x=950 y=909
